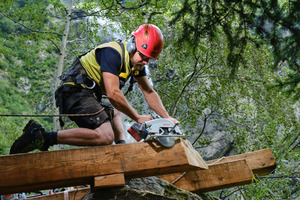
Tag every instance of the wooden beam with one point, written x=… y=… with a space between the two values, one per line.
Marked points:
x=216 y=177
x=62 y=168
x=261 y=163
x=112 y=180
x=223 y=173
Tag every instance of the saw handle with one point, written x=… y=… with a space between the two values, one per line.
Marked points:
x=173 y=128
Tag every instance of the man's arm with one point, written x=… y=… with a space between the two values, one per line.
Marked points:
x=118 y=100
x=152 y=98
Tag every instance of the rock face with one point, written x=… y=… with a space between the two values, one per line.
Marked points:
x=221 y=145
x=150 y=188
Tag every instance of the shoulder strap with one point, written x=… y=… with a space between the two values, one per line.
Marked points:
x=132 y=79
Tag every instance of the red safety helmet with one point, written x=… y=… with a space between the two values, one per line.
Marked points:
x=149 y=40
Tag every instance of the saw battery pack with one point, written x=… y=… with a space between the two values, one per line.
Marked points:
x=136 y=133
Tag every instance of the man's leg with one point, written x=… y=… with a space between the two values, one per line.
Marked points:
x=95 y=130
x=116 y=121
x=35 y=137
x=118 y=128
x=87 y=137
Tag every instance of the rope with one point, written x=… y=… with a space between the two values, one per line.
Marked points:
x=216 y=161
x=179 y=178
x=57 y=115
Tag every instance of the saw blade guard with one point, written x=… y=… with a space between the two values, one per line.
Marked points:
x=154 y=126
x=163 y=131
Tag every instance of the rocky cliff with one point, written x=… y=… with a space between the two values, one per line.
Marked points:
x=150 y=188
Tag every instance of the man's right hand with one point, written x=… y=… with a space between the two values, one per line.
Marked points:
x=143 y=118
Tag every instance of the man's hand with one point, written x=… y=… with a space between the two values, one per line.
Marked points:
x=143 y=118
x=173 y=120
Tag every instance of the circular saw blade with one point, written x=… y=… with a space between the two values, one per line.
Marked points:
x=166 y=141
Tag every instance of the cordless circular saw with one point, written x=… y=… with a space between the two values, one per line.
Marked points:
x=162 y=130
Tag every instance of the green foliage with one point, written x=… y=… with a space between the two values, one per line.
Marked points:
x=216 y=70
x=11 y=102
x=27 y=63
x=277 y=25
x=9 y=131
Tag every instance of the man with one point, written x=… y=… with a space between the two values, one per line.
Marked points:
x=102 y=71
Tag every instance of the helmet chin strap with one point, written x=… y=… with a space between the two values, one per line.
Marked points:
x=135 y=69
x=131 y=54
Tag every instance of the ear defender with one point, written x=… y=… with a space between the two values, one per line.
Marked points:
x=131 y=47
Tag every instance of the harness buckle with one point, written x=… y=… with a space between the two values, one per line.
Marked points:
x=86 y=81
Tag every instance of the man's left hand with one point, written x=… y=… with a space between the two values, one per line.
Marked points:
x=173 y=120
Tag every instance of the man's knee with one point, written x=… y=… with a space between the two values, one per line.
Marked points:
x=104 y=139
x=109 y=138
x=108 y=141
x=105 y=134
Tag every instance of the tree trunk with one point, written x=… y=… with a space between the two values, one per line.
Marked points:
x=56 y=125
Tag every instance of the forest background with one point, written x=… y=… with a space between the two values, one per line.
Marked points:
x=227 y=67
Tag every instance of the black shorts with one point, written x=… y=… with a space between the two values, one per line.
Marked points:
x=75 y=100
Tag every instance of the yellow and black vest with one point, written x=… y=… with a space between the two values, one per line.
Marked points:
x=93 y=69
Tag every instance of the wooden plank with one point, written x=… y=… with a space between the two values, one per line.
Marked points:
x=261 y=163
x=112 y=180
x=62 y=168
x=216 y=177
x=76 y=194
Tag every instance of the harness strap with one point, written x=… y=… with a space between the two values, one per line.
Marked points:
x=123 y=70
x=132 y=81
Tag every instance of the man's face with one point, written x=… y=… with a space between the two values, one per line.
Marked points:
x=139 y=60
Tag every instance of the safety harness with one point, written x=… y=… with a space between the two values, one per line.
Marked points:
x=76 y=79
